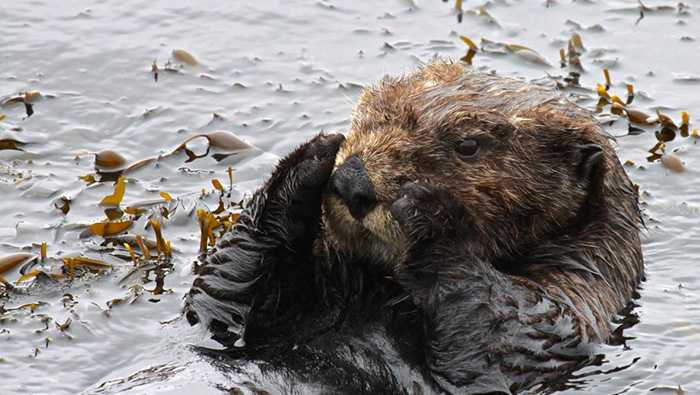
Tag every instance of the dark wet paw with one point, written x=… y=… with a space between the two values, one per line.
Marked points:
x=317 y=160
x=436 y=225
x=293 y=192
x=307 y=167
x=323 y=147
x=426 y=212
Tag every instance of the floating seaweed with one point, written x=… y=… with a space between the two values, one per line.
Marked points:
x=185 y=57
x=470 y=52
x=576 y=43
x=133 y=255
x=630 y=94
x=10 y=262
x=484 y=15
x=521 y=51
x=154 y=70
x=162 y=246
x=606 y=74
x=667 y=131
x=116 y=197
x=657 y=151
x=165 y=196
x=574 y=50
x=43 y=250
x=91 y=264
x=25 y=98
x=673 y=163
x=229 y=172
x=62 y=204
x=88 y=179
x=11 y=144
x=562 y=58
x=221 y=139
x=65 y=325
x=114 y=213
x=37 y=273
x=108 y=161
x=217 y=185
x=685 y=124
x=639 y=117
x=109 y=228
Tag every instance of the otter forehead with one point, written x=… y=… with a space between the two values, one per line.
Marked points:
x=393 y=114
x=445 y=93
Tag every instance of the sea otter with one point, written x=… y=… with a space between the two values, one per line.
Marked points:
x=471 y=234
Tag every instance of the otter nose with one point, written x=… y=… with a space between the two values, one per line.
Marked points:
x=352 y=183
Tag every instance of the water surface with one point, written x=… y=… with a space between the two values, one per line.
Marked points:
x=276 y=73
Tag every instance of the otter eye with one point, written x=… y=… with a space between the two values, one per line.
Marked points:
x=468 y=148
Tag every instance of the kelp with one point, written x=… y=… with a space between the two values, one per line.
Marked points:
x=470 y=52
x=109 y=228
x=10 y=262
x=109 y=161
x=154 y=70
x=11 y=144
x=36 y=273
x=165 y=196
x=673 y=163
x=91 y=264
x=27 y=98
x=217 y=185
x=521 y=51
x=685 y=124
x=163 y=246
x=184 y=57
x=62 y=204
x=116 y=197
x=114 y=213
x=220 y=139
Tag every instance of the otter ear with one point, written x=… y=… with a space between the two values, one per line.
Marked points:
x=589 y=161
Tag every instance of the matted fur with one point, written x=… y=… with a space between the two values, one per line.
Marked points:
x=527 y=193
x=491 y=273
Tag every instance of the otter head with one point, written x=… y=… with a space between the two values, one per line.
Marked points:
x=525 y=164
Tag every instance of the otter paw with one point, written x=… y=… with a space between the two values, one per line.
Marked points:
x=292 y=195
x=312 y=163
x=427 y=212
x=302 y=173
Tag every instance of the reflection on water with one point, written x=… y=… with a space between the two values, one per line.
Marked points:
x=78 y=79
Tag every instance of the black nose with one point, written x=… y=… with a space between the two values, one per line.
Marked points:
x=352 y=183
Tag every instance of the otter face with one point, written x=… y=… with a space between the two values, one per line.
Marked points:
x=521 y=162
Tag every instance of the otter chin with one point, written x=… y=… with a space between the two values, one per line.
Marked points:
x=470 y=233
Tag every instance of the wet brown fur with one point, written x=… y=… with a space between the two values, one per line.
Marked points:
x=536 y=217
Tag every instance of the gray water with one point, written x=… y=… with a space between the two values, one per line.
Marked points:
x=275 y=73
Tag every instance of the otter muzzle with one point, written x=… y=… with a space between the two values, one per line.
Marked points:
x=351 y=182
